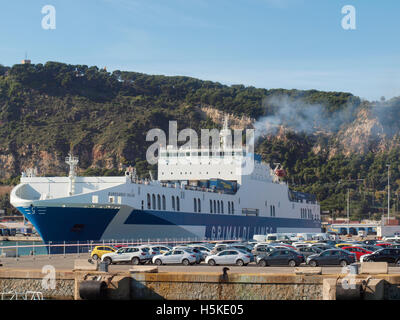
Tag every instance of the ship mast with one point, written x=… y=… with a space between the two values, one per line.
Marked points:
x=224 y=134
x=72 y=162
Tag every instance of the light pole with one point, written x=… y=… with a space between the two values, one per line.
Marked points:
x=348 y=202
x=388 y=175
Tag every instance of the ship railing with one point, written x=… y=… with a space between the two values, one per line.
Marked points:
x=35 y=250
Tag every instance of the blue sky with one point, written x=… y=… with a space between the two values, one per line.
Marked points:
x=265 y=43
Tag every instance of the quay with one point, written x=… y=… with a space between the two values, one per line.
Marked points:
x=127 y=282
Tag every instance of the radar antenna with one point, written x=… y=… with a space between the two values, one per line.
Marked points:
x=73 y=163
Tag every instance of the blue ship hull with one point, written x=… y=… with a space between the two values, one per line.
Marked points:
x=56 y=224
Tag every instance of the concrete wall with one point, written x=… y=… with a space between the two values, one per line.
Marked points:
x=207 y=286
x=213 y=286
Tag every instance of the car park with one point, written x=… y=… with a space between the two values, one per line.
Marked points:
x=175 y=256
x=331 y=257
x=281 y=257
x=229 y=256
x=389 y=255
x=134 y=255
x=99 y=251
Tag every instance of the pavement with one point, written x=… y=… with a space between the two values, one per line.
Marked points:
x=66 y=263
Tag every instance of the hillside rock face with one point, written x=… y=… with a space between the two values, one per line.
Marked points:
x=364 y=134
x=235 y=122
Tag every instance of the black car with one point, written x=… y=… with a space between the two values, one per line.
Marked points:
x=281 y=257
x=389 y=255
x=331 y=257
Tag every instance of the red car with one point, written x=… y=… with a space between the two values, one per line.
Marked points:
x=358 y=251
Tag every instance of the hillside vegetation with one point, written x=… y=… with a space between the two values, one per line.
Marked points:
x=48 y=110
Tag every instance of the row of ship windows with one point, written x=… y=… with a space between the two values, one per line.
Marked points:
x=217 y=206
x=159 y=203
x=306 y=214
x=272 y=211
x=204 y=154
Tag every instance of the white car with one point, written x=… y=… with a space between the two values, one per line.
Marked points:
x=182 y=256
x=135 y=255
x=229 y=256
x=196 y=252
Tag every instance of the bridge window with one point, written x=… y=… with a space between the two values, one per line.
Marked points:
x=198 y=205
x=229 y=207
x=164 y=203
x=211 y=206
x=222 y=206
x=153 y=197
x=195 y=204
x=173 y=203
x=215 y=207
x=232 y=208
x=158 y=202
x=177 y=204
x=148 y=202
x=219 y=206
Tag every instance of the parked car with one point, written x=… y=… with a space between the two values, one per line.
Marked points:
x=135 y=255
x=151 y=250
x=383 y=244
x=281 y=257
x=307 y=251
x=262 y=249
x=229 y=256
x=346 y=244
x=331 y=257
x=389 y=255
x=369 y=242
x=220 y=247
x=283 y=245
x=370 y=247
x=99 y=251
x=175 y=256
x=162 y=249
x=194 y=251
x=358 y=251
x=205 y=251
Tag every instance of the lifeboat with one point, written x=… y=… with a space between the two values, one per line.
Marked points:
x=280 y=173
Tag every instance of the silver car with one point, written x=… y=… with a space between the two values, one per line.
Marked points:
x=229 y=256
x=175 y=256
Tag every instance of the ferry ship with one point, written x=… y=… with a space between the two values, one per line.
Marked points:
x=209 y=196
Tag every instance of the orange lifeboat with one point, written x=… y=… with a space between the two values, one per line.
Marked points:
x=280 y=173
